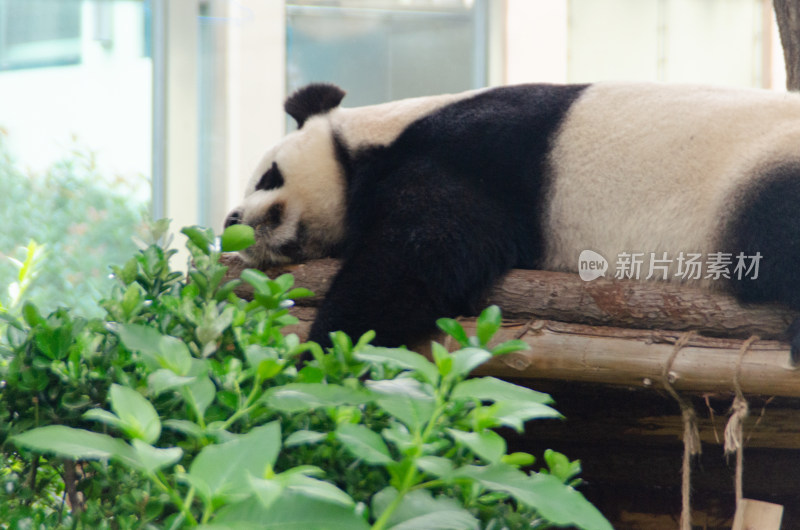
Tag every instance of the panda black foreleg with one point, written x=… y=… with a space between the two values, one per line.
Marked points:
x=411 y=269
x=367 y=296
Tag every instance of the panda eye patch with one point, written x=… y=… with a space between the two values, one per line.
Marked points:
x=274 y=216
x=270 y=180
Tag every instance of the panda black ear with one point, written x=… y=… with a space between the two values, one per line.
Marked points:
x=313 y=99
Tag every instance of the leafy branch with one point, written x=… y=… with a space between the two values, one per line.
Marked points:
x=186 y=391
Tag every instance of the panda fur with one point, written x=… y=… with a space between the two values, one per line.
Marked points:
x=428 y=201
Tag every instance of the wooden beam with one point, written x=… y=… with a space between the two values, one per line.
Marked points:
x=609 y=354
x=637 y=358
x=603 y=302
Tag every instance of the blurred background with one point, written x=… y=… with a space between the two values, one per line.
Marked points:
x=113 y=112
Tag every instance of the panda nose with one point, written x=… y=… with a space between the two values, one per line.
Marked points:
x=234 y=218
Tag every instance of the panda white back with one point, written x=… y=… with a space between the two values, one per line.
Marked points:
x=381 y=124
x=641 y=168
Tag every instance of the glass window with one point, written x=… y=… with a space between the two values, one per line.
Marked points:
x=385 y=50
x=35 y=33
x=75 y=142
x=252 y=53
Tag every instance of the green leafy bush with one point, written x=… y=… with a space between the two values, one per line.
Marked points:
x=185 y=406
x=83 y=219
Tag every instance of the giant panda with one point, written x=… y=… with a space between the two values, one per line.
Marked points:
x=429 y=200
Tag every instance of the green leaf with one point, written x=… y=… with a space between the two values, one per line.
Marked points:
x=103 y=416
x=186 y=427
x=419 y=510
x=557 y=503
x=488 y=323
x=364 y=443
x=400 y=358
x=510 y=346
x=269 y=368
x=31 y=315
x=138 y=417
x=487 y=444
x=316 y=489
x=152 y=458
x=203 y=238
x=174 y=355
x=54 y=342
x=304 y=437
x=267 y=490
x=444 y=519
x=213 y=325
x=454 y=329
x=163 y=379
x=222 y=470
x=444 y=362
x=283 y=283
x=397 y=433
x=296 y=511
x=413 y=412
x=77 y=444
x=137 y=337
x=466 y=360
x=515 y=414
x=237 y=237
x=296 y=397
x=126 y=273
x=131 y=298
x=255 y=353
x=257 y=279
x=518 y=459
x=158 y=351
x=435 y=465
x=299 y=292
x=200 y=393
x=401 y=386
x=493 y=389
x=560 y=466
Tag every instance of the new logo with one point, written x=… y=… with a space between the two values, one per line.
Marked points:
x=591 y=265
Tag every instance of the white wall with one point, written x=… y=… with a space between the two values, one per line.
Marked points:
x=536 y=41
x=731 y=42
x=254 y=74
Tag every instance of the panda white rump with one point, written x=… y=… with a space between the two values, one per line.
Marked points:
x=658 y=168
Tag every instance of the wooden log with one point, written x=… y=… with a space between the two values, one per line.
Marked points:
x=609 y=354
x=603 y=302
x=636 y=358
x=626 y=357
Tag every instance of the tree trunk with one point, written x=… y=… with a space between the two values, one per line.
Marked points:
x=787 y=13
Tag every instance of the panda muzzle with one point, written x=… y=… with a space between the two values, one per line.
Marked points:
x=234 y=218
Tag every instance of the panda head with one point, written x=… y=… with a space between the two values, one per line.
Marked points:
x=295 y=198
